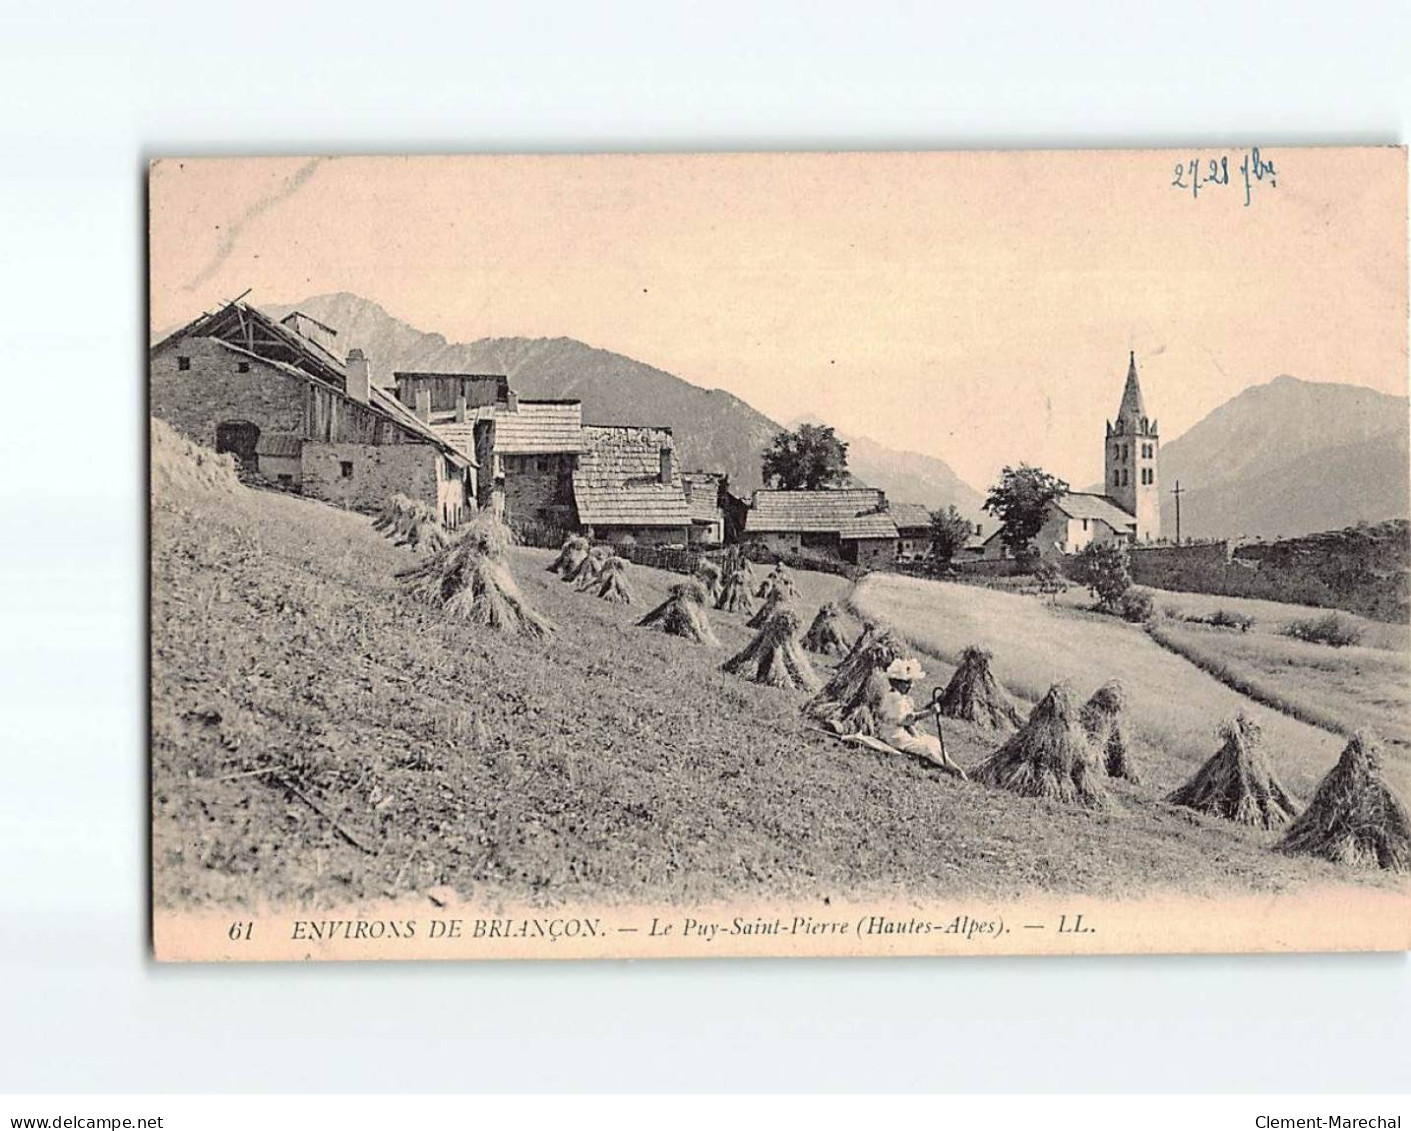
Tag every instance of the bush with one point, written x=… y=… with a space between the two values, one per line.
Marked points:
x=1137 y=606
x=1049 y=577
x=1103 y=568
x=1333 y=630
x=1224 y=618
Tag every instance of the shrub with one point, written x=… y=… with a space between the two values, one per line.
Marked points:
x=1049 y=577
x=1137 y=606
x=1102 y=567
x=1334 y=630
x=1224 y=618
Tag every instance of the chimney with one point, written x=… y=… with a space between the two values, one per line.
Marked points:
x=667 y=456
x=979 y=530
x=460 y=405
x=423 y=405
x=511 y=400
x=359 y=380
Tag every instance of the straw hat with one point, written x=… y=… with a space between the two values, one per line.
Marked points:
x=909 y=670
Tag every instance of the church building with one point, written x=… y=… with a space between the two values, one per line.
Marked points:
x=1129 y=510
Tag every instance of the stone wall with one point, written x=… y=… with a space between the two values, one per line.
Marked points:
x=375 y=472
x=872 y=553
x=214 y=390
x=539 y=489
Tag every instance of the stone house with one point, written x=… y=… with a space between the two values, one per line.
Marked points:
x=705 y=492
x=627 y=487
x=276 y=396
x=913 y=523
x=852 y=524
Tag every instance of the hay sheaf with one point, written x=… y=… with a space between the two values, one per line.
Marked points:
x=826 y=634
x=591 y=570
x=612 y=582
x=711 y=576
x=735 y=596
x=775 y=657
x=974 y=695
x=470 y=580
x=779 y=599
x=778 y=581
x=1238 y=782
x=571 y=554
x=180 y=467
x=683 y=614
x=1105 y=723
x=580 y=565
x=1355 y=816
x=848 y=702
x=1048 y=756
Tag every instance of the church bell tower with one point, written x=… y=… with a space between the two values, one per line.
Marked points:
x=1132 y=446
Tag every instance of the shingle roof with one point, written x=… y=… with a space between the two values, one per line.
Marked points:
x=539 y=428
x=1076 y=504
x=808 y=511
x=618 y=479
x=876 y=525
x=273 y=445
x=909 y=515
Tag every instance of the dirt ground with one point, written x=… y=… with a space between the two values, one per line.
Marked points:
x=608 y=763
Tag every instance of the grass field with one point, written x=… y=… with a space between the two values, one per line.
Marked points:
x=608 y=763
x=1176 y=708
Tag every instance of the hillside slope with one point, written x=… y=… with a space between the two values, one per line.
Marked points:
x=609 y=763
x=1290 y=457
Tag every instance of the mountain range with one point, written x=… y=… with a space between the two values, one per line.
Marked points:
x=1289 y=457
x=1282 y=458
x=714 y=429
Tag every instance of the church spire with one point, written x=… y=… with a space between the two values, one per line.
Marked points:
x=1133 y=408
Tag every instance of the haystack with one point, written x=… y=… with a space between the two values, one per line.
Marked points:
x=612 y=581
x=581 y=565
x=392 y=512
x=709 y=574
x=847 y=704
x=1048 y=756
x=775 y=657
x=591 y=569
x=1104 y=722
x=1238 y=783
x=425 y=533
x=683 y=614
x=571 y=554
x=1355 y=817
x=778 y=598
x=973 y=694
x=779 y=581
x=735 y=593
x=470 y=580
x=825 y=635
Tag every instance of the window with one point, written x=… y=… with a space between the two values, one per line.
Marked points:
x=1116 y=478
x=345 y=467
x=183 y=363
x=542 y=463
x=287 y=480
x=242 y=367
x=1085 y=524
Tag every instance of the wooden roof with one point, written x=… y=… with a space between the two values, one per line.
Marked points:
x=813 y=512
x=539 y=428
x=1077 y=504
x=618 y=479
x=909 y=516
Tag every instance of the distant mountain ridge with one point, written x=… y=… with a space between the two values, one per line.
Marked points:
x=714 y=430
x=1290 y=457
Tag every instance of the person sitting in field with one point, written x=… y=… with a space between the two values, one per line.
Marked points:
x=897 y=717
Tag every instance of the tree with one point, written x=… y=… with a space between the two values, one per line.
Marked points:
x=1019 y=501
x=1102 y=567
x=949 y=532
x=809 y=458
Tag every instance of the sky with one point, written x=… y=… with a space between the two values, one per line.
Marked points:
x=978 y=307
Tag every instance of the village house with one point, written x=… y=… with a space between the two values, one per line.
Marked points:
x=851 y=524
x=627 y=487
x=278 y=398
x=913 y=522
x=705 y=495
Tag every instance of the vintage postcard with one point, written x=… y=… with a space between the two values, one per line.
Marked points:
x=779 y=554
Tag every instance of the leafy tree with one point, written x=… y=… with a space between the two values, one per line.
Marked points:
x=949 y=532
x=1019 y=500
x=809 y=458
x=1102 y=567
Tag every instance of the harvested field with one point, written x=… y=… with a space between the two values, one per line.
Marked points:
x=604 y=763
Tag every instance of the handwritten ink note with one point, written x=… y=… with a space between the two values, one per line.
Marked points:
x=1254 y=172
